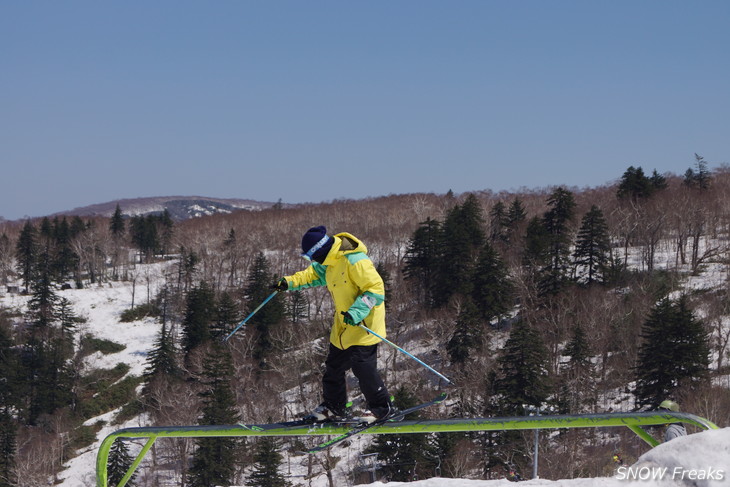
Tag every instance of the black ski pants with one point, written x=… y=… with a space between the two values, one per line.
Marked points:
x=363 y=360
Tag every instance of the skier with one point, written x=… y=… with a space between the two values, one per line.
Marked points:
x=513 y=475
x=674 y=430
x=340 y=262
x=618 y=459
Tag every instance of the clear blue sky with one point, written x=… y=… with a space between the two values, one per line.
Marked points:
x=315 y=100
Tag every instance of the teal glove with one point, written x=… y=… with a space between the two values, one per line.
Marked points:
x=348 y=318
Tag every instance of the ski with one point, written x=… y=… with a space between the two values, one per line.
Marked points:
x=397 y=416
x=307 y=421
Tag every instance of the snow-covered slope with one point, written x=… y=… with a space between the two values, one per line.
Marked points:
x=696 y=457
x=701 y=460
x=102 y=307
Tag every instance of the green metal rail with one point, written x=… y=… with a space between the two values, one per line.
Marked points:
x=633 y=421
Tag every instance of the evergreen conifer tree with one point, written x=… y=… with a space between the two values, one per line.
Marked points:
x=701 y=177
x=144 y=235
x=166 y=231
x=43 y=303
x=267 y=461
x=226 y=317
x=77 y=226
x=214 y=460
x=162 y=360
x=673 y=355
x=421 y=260
x=199 y=312
x=523 y=371
x=117 y=228
x=471 y=218
x=593 y=246
x=516 y=217
x=49 y=380
x=65 y=259
x=537 y=244
x=67 y=321
x=520 y=383
x=578 y=374
x=186 y=269
x=119 y=462
x=498 y=223
x=556 y=223
x=57 y=379
x=9 y=402
x=658 y=182
x=46 y=231
x=8 y=446
x=516 y=213
x=468 y=335
x=8 y=368
x=116 y=223
x=26 y=252
x=461 y=238
x=634 y=185
x=257 y=290
x=6 y=258
x=492 y=290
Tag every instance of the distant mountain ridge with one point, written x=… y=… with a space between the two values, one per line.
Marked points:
x=179 y=207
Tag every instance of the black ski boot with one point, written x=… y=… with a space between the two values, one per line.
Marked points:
x=388 y=412
x=327 y=414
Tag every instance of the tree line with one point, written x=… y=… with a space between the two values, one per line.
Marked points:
x=566 y=300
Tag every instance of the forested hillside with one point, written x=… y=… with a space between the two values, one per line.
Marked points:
x=571 y=300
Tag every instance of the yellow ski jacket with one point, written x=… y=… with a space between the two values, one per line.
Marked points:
x=355 y=287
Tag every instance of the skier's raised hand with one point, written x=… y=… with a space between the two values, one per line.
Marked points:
x=281 y=285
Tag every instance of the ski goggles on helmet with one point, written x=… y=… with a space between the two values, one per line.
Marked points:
x=308 y=255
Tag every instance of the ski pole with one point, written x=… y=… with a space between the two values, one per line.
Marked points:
x=250 y=315
x=403 y=351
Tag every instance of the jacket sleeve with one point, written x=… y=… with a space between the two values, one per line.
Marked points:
x=312 y=276
x=370 y=284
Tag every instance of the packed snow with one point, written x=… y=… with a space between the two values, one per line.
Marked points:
x=701 y=460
